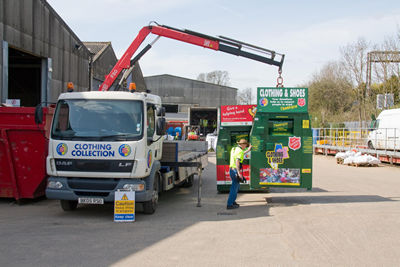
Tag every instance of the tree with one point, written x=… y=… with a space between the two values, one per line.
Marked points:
x=355 y=64
x=387 y=69
x=217 y=77
x=390 y=86
x=388 y=64
x=244 y=97
x=338 y=91
x=330 y=95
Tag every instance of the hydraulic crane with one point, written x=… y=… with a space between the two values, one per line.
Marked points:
x=94 y=152
x=220 y=43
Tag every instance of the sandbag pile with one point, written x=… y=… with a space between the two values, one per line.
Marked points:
x=356 y=159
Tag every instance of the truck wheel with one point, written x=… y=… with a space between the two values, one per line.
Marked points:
x=370 y=146
x=68 y=205
x=149 y=207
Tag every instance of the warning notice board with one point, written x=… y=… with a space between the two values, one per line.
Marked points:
x=124 y=206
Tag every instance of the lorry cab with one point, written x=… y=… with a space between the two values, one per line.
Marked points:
x=90 y=127
x=99 y=141
x=386 y=131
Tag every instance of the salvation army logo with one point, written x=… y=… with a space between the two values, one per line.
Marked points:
x=301 y=102
x=62 y=149
x=294 y=142
x=263 y=102
x=124 y=150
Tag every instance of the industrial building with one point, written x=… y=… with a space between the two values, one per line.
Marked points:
x=178 y=94
x=103 y=60
x=40 y=54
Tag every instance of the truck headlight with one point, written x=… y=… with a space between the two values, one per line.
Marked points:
x=51 y=164
x=134 y=187
x=54 y=185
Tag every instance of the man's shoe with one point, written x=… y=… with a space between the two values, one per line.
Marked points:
x=232 y=207
x=234 y=203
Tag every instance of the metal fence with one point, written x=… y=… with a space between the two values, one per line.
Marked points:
x=382 y=139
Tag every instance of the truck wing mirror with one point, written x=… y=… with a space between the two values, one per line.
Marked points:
x=161 y=112
x=160 y=130
x=39 y=114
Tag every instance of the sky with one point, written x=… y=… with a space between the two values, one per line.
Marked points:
x=309 y=32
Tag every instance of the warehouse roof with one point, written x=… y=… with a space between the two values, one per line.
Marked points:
x=183 y=78
x=97 y=48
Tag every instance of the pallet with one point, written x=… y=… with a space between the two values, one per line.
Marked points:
x=363 y=165
x=339 y=161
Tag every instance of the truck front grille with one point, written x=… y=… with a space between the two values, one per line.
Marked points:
x=91 y=194
x=92 y=184
x=92 y=187
x=93 y=165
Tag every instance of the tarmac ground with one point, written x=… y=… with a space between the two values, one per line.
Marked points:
x=350 y=218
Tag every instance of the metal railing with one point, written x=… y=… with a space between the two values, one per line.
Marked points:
x=382 y=139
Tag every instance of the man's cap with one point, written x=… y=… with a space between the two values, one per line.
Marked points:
x=243 y=141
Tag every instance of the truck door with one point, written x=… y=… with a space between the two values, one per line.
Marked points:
x=151 y=130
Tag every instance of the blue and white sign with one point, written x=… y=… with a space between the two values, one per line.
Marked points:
x=92 y=150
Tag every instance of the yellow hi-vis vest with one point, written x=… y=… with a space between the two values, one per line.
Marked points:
x=236 y=153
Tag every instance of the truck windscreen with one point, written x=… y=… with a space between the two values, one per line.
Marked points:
x=98 y=120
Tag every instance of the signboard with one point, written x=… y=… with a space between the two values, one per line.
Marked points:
x=281 y=176
x=77 y=149
x=280 y=127
x=13 y=102
x=233 y=115
x=282 y=99
x=124 y=206
x=223 y=176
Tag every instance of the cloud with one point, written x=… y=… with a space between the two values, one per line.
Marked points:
x=308 y=49
x=324 y=39
x=112 y=11
x=309 y=40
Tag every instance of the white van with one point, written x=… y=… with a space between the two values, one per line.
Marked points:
x=386 y=133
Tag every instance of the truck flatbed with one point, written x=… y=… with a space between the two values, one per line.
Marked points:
x=183 y=151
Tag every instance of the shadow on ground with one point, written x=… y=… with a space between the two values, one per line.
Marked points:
x=43 y=234
x=307 y=200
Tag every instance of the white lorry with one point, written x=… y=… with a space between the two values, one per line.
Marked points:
x=386 y=133
x=104 y=141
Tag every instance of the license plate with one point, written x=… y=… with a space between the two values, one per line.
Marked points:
x=90 y=200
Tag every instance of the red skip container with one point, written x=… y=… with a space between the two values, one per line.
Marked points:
x=23 y=152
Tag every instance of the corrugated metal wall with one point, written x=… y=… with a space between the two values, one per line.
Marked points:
x=103 y=63
x=177 y=90
x=34 y=27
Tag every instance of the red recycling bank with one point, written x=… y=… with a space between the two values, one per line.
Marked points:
x=235 y=115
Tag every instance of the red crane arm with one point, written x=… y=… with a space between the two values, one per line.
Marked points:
x=223 y=44
x=124 y=61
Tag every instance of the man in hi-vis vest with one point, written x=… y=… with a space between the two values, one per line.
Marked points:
x=235 y=171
